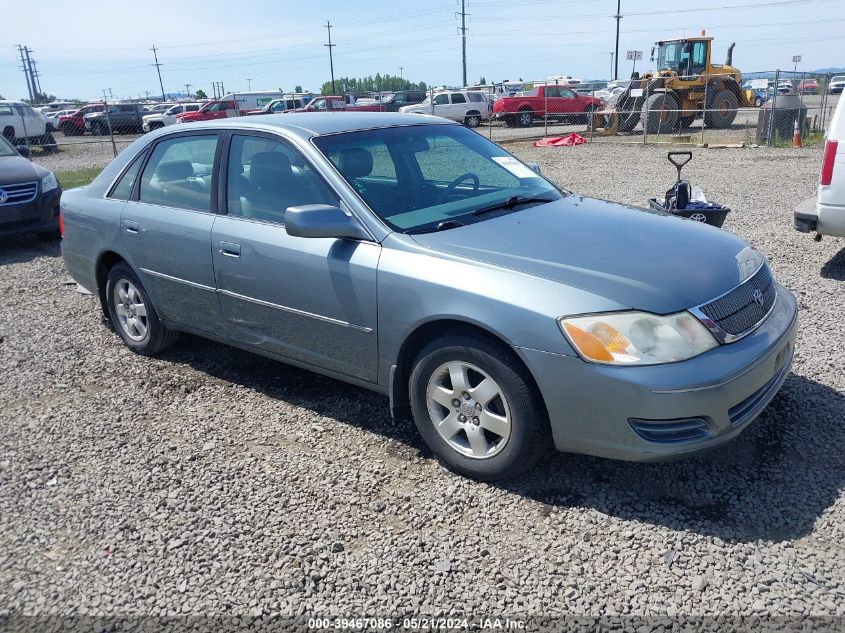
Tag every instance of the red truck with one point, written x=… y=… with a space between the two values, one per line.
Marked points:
x=562 y=103
x=337 y=103
x=74 y=124
x=213 y=110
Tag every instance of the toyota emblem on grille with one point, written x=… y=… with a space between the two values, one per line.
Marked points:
x=758 y=297
x=698 y=217
x=3 y=196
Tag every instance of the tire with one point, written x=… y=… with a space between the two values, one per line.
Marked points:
x=510 y=120
x=522 y=433
x=144 y=334
x=721 y=109
x=472 y=120
x=660 y=114
x=584 y=119
x=525 y=118
x=628 y=121
x=48 y=143
x=686 y=121
x=99 y=129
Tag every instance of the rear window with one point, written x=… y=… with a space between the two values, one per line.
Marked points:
x=458 y=98
x=475 y=97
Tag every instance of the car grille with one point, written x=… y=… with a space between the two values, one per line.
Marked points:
x=18 y=194
x=744 y=307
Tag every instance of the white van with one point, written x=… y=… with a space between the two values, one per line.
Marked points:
x=247 y=101
x=824 y=213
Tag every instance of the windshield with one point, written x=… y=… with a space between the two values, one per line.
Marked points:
x=6 y=148
x=419 y=178
x=673 y=56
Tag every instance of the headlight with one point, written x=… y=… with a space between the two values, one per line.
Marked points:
x=49 y=182
x=637 y=338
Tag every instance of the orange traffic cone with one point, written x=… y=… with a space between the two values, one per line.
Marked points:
x=796 y=135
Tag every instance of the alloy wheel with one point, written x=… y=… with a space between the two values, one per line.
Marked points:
x=468 y=409
x=131 y=310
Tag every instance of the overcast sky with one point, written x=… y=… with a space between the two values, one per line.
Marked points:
x=84 y=48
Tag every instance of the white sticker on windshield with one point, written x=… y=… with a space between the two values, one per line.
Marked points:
x=515 y=167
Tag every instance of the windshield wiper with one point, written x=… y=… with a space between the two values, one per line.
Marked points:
x=441 y=226
x=511 y=202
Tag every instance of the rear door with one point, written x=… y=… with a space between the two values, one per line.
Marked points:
x=458 y=107
x=166 y=229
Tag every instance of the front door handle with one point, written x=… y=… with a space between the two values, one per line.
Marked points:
x=131 y=226
x=230 y=249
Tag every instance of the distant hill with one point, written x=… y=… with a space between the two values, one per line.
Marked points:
x=832 y=71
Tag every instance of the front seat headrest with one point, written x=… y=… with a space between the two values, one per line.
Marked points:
x=269 y=168
x=355 y=162
x=174 y=170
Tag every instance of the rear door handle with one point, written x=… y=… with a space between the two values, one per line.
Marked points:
x=131 y=226
x=230 y=249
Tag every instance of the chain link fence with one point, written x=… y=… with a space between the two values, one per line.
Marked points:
x=765 y=110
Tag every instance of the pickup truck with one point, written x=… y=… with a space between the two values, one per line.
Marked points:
x=337 y=103
x=122 y=117
x=562 y=103
x=74 y=124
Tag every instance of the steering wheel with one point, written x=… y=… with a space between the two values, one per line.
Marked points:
x=450 y=188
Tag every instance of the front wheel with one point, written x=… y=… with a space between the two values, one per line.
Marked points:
x=525 y=118
x=133 y=315
x=477 y=408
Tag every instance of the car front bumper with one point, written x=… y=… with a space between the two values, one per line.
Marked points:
x=39 y=215
x=663 y=412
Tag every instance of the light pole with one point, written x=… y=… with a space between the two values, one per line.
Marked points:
x=401 y=68
x=611 y=64
x=248 y=83
x=618 y=17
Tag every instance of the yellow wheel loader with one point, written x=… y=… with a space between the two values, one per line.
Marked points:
x=685 y=87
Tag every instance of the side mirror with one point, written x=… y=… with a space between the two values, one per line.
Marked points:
x=323 y=220
x=533 y=166
x=24 y=151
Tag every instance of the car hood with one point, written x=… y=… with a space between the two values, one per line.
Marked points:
x=644 y=259
x=17 y=169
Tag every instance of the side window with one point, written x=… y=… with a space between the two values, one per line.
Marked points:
x=5 y=110
x=457 y=97
x=179 y=173
x=566 y=92
x=699 y=55
x=475 y=97
x=552 y=91
x=441 y=99
x=192 y=108
x=123 y=189
x=267 y=176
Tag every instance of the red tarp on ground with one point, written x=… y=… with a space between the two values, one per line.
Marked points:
x=560 y=141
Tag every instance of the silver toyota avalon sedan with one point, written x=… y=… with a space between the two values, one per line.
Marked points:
x=412 y=256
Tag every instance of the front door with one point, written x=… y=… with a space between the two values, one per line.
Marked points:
x=166 y=229
x=308 y=299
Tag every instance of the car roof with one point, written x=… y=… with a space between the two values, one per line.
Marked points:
x=309 y=124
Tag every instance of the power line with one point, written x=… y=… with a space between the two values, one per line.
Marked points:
x=330 y=46
x=158 y=70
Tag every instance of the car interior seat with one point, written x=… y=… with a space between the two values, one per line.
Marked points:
x=274 y=187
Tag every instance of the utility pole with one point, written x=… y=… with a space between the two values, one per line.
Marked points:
x=463 y=30
x=618 y=17
x=32 y=78
x=187 y=90
x=36 y=77
x=105 y=96
x=401 y=68
x=25 y=72
x=158 y=70
x=611 y=65
x=147 y=93
x=330 y=46
x=248 y=83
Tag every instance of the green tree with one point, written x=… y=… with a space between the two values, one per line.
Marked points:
x=298 y=89
x=200 y=94
x=379 y=82
x=482 y=81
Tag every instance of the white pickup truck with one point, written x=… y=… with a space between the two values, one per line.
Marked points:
x=824 y=213
x=21 y=125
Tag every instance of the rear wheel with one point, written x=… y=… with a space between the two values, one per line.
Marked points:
x=660 y=113
x=477 y=408
x=721 y=109
x=473 y=119
x=48 y=143
x=133 y=315
x=49 y=236
x=525 y=118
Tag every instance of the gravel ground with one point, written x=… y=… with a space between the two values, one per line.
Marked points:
x=213 y=482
